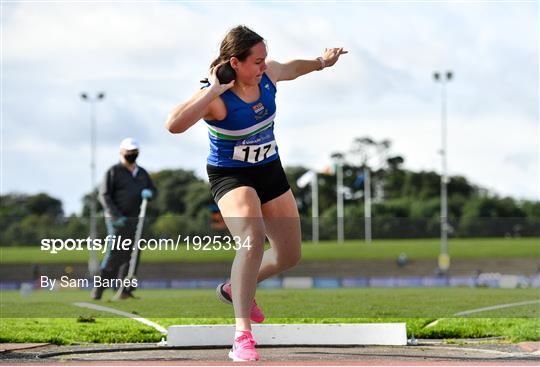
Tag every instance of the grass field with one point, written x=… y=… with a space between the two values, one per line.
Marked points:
x=478 y=248
x=51 y=317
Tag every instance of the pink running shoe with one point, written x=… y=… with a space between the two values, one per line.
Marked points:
x=243 y=349
x=224 y=294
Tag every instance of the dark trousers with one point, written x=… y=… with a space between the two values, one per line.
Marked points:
x=115 y=264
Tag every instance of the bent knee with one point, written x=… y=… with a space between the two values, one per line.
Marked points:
x=290 y=259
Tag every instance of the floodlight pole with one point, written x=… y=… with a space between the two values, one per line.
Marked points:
x=444 y=257
x=340 y=211
x=367 y=203
x=315 y=207
x=93 y=199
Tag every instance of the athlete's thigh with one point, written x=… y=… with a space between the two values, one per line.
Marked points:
x=282 y=222
x=241 y=211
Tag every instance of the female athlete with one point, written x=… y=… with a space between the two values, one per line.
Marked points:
x=244 y=169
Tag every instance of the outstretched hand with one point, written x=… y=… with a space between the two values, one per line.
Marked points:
x=331 y=55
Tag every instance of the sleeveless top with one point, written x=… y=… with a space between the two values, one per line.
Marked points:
x=245 y=137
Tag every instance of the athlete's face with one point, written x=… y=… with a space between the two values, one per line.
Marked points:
x=250 y=70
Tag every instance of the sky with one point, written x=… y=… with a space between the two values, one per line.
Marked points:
x=149 y=56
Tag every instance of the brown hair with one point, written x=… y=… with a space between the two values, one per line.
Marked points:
x=237 y=43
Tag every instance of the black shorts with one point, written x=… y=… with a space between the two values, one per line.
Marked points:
x=268 y=180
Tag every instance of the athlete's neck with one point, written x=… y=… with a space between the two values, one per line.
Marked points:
x=247 y=93
x=244 y=89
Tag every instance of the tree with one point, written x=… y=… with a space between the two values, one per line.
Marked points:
x=302 y=195
x=22 y=204
x=197 y=198
x=172 y=188
x=43 y=204
x=490 y=215
x=394 y=163
x=86 y=201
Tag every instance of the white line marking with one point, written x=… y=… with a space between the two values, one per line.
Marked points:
x=496 y=307
x=433 y=323
x=132 y=316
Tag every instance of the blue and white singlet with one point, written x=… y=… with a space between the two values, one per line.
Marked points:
x=245 y=137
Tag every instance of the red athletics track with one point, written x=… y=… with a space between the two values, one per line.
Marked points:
x=469 y=354
x=289 y=363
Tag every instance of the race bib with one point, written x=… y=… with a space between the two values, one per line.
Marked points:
x=254 y=153
x=255 y=148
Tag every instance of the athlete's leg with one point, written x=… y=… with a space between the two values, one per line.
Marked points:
x=282 y=224
x=241 y=211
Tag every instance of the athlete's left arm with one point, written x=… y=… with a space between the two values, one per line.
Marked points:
x=295 y=68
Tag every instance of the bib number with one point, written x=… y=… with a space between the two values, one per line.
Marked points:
x=254 y=153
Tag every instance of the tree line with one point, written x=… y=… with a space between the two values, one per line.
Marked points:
x=405 y=204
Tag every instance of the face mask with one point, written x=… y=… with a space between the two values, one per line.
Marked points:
x=131 y=157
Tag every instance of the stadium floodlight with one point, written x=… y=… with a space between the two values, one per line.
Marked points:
x=444 y=257
x=367 y=204
x=339 y=160
x=311 y=178
x=93 y=264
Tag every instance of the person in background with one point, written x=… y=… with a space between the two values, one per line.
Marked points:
x=121 y=193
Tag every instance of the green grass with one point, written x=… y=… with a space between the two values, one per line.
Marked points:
x=50 y=316
x=285 y=303
x=114 y=330
x=493 y=248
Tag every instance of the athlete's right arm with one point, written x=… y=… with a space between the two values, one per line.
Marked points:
x=187 y=114
x=197 y=107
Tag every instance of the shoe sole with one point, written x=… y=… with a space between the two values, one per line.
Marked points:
x=224 y=299
x=236 y=359
x=220 y=295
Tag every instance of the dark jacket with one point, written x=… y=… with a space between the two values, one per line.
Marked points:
x=120 y=192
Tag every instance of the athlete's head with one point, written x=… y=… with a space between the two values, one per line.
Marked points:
x=246 y=51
